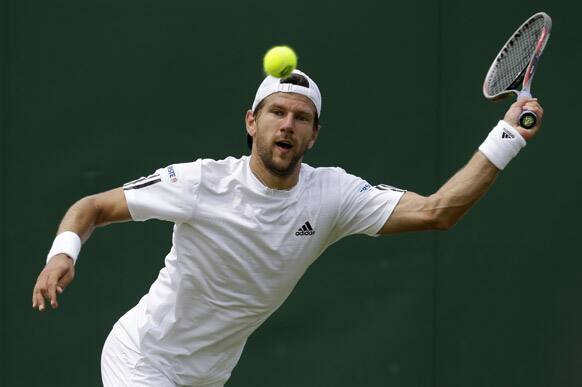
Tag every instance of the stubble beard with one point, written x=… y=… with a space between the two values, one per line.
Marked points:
x=266 y=155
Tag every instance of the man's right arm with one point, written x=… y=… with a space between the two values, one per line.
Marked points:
x=81 y=218
x=451 y=202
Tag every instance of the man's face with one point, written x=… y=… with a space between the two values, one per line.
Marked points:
x=282 y=131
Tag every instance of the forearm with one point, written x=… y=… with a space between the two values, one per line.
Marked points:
x=452 y=201
x=81 y=219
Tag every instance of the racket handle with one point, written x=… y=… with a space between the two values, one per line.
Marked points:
x=527 y=119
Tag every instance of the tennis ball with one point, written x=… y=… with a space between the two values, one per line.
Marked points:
x=280 y=61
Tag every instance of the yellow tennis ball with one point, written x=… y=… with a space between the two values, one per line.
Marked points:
x=280 y=61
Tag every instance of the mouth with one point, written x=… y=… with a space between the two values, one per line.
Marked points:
x=284 y=145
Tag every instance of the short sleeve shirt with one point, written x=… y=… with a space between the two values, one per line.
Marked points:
x=238 y=250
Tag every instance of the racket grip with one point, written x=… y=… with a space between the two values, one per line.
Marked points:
x=524 y=94
x=527 y=119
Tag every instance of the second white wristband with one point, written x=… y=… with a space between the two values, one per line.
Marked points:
x=67 y=243
x=502 y=144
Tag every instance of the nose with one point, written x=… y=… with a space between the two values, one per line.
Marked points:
x=288 y=122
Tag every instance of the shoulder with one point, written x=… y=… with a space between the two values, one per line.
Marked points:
x=321 y=172
x=218 y=169
x=193 y=170
x=229 y=163
x=332 y=181
x=332 y=175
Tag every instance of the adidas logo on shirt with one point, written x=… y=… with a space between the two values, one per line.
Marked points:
x=507 y=134
x=306 y=229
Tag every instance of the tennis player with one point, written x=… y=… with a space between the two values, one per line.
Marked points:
x=246 y=229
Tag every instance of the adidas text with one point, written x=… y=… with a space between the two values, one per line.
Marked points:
x=299 y=233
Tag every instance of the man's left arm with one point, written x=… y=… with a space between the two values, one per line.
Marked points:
x=441 y=210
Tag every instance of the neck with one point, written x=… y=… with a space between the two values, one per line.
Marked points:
x=272 y=180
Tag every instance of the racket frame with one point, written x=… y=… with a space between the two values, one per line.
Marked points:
x=526 y=75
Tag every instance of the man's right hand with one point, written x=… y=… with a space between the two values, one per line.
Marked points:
x=52 y=281
x=82 y=218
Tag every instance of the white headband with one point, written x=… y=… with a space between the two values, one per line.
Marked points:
x=271 y=85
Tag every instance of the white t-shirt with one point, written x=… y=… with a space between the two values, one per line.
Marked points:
x=238 y=250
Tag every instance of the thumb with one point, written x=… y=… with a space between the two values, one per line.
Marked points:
x=65 y=280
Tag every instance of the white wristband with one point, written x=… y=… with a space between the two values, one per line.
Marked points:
x=503 y=143
x=67 y=243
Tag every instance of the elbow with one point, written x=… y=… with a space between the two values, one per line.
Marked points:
x=88 y=203
x=98 y=211
x=443 y=216
x=443 y=223
x=443 y=220
x=90 y=210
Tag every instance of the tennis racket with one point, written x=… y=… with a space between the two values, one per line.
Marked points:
x=516 y=63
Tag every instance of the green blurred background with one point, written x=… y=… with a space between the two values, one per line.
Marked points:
x=95 y=93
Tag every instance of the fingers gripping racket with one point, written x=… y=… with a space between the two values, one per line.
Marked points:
x=516 y=63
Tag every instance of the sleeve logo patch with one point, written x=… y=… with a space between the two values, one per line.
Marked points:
x=364 y=187
x=172 y=174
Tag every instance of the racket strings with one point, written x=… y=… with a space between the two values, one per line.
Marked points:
x=515 y=57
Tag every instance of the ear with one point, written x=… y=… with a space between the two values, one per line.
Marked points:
x=251 y=123
x=313 y=137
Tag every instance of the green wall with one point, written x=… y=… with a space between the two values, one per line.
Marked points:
x=96 y=93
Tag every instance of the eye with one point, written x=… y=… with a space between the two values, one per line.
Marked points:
x=277 y=112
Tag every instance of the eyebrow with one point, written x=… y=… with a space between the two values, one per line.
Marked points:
x=281 y=107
